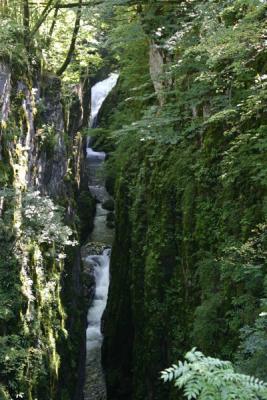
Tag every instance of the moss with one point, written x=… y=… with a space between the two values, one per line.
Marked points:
x=179 y=218
x=118 y=332
x=6 y=173
x=47 y=139
x=3 y=393
x=42 y=316
x=108 y=205
x=110 y=184
x=86 y=211
x=110 y=217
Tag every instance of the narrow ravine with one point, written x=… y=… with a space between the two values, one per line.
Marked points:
x=97 y=253
x=94 y=388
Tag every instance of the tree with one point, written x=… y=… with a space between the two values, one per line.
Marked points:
x=75 y=32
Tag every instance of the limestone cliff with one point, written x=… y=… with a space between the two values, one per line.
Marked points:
x=43 y=316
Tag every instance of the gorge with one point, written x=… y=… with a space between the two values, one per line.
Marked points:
x=133 y=200
x=100 y=237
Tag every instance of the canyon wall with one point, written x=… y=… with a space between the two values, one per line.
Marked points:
x=43 y=310
x=188 y=266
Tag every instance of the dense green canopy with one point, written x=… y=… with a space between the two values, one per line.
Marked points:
x=185 y=129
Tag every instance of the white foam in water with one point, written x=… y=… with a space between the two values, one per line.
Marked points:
x=101 y=271
x=99 y=92
x=94 y=379
x=97 y=155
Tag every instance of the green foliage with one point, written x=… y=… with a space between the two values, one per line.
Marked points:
x=3 y=393
x=86 y=207
x=43 y=221
x=207 y=378
x=87 y=49
x=32 y=316
x=251 y=355
x=47 y=138
x=12 y=48
x=190 y=189
x=135 y=88
x=30 y=35
x=41 y=307
x=207 y=79
x=189 y=258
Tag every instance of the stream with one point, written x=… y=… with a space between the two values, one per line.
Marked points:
x=98 y=252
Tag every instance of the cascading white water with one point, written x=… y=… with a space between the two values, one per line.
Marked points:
x=101 y=272
x=94 y=382
x=94 y=387
x=95 y=159
x=99 y=93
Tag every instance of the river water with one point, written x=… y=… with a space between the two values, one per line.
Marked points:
x=101 y=239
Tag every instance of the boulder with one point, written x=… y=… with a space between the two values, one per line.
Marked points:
x=108 y=205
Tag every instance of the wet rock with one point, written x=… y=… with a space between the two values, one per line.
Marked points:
x=5 y=90
x=86 y=210
x=110 y=184
x=108 y=205
x=94 y=388
x=110 y=225
x=92 y=248
x=111 y=217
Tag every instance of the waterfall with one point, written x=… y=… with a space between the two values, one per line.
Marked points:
x=99 y=93
x=94 y=388
x=95 y=159
x=101 y=271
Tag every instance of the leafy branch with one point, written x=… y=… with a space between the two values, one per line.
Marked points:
x=207 y=378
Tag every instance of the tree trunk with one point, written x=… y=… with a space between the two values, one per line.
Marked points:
x=43 y=16
x=26 y=23
x=65 y=64
x=52 y=27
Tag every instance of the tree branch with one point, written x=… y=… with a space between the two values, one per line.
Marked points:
x=65 y=64
x=49 y=6
x=97 y=3
x=52 y=27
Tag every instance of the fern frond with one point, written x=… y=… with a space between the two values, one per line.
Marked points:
x=207 y=378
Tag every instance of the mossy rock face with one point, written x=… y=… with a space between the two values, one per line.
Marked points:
x=110 y=225
x=101 y=141
x=111 y=217
x=108 y=205
x=110 y=184
x=46 y=346
x=117 y=327
x=110 y=220
x=3 y=394
x=86 y=211
x=92 y=248
x=183 y=234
